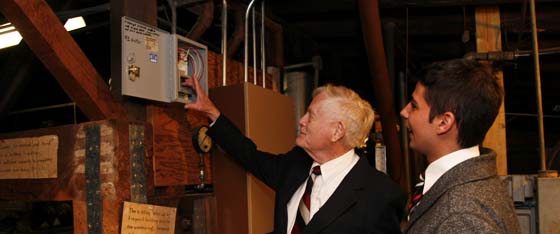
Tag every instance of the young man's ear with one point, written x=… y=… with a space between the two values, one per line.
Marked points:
x=445 y=122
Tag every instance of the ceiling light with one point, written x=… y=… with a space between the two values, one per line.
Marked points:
x=9 y=36
x=75 y=23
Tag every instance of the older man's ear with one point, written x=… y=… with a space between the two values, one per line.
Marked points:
x=339 y=131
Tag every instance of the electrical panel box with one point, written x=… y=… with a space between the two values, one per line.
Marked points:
x=191 y=62
x=155 y=63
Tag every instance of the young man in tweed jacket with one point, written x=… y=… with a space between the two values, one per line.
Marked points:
x=453 y=105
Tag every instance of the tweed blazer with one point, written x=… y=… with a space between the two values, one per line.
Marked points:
x=469 y=198
x=366 y=201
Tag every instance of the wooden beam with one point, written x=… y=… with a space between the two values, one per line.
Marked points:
x=62 y=56
x=488 y=38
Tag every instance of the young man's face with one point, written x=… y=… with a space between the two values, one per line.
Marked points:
x=317 y=125
x=422 y=133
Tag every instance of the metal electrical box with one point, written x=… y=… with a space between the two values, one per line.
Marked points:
x=155 y=63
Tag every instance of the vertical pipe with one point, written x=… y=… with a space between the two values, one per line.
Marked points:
x=246 y=59
x=224 y=41
x=538 y=83
x=173 y=16
x=371 y=28
x=263 y=53
x=254 y=49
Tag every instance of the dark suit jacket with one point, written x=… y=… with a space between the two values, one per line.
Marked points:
x=366 y=201
x=469 y=198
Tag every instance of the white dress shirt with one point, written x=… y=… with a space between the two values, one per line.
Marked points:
x=439 y=167
x=332 y=173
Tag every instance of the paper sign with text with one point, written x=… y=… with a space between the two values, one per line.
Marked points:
x=147 y=219
x=29 y=157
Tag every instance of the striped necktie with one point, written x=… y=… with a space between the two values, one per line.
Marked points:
x=417 y=195
x=302 y=217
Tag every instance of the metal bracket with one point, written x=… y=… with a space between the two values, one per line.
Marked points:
x=93 y=184
x=137 y=167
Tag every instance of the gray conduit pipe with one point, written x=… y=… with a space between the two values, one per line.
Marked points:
x=263 y=52
x=538 y=87
x=254 y=49
x=246 y=42
x=224 y=41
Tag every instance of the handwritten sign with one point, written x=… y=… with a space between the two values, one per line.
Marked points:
x=29 y=158
x=147 y=219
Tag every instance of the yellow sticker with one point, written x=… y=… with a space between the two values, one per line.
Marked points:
x=151 y=44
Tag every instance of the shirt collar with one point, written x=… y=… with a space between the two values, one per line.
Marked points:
x=437 y=168
x=336 y=166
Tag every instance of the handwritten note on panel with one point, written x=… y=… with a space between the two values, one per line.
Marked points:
x=29 y=158
x=147 y=219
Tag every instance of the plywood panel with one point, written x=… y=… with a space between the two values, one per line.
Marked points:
x=268 y=119
x=488 y=39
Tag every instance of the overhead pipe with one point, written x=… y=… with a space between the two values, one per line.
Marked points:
x=509 y=55
x=371 y=29
x=237 y=35
x=205 y=16
x=277 y=54
x=277 y=36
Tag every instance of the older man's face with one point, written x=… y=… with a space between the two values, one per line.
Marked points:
x=317 y=126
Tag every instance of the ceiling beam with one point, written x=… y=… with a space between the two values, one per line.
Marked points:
x=52 y=44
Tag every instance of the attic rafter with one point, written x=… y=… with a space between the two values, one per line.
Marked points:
x=52 y=44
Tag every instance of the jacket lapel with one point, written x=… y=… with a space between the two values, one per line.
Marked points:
x=344 y=197
x=477 y=168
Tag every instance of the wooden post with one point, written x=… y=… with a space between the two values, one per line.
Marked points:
x=489 y=39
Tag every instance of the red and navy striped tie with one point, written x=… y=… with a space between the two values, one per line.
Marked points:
x=302 y=217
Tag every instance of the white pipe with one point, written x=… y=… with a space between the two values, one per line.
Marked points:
x=224 y=41
x=263 y=53
x=254 y=49
x=246 y=38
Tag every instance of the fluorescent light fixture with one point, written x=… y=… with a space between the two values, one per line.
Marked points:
x=9 y=36
x=74 y=23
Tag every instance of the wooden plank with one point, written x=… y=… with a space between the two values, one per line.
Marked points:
x=52 y=44
x=488 y=38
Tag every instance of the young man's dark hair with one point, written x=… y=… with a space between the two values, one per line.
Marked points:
x=464 y=88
